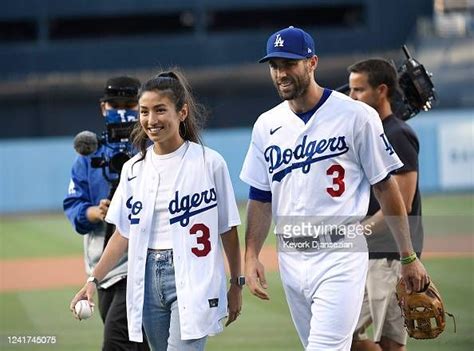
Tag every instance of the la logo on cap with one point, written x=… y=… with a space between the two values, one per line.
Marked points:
x=289 y=43
x=278 y=41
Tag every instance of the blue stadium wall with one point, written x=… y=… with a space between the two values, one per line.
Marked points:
x=56 y=55
x=35 y=172
x=44 y=36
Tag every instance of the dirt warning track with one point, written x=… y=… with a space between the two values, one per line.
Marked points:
x=63 y=272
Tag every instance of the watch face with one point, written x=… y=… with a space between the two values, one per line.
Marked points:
x=241 y=281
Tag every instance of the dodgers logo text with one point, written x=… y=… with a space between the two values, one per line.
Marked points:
x=303 y=156
x=135 y=209
x=185 y=206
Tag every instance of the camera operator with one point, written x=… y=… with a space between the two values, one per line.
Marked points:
x=375 y=82
x=91 y=187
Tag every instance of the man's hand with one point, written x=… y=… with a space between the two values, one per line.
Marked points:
x=255 y=278
x=97 y=214
x=415 y=276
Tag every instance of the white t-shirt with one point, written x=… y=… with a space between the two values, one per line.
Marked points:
x=166 y=167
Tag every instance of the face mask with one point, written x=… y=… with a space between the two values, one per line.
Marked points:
x=120 y=116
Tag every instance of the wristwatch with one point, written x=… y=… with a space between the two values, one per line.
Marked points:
x=94 y=280
x=239 y=281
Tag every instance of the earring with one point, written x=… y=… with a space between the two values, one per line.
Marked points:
x=183 y=131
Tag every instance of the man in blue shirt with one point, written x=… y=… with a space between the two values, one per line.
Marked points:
x=86 y=206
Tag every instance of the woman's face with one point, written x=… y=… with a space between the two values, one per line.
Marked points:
x=160 y=121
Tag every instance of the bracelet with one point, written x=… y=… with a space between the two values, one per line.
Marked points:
x=408 y=259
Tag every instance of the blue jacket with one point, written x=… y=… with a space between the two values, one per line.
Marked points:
x=87 y=187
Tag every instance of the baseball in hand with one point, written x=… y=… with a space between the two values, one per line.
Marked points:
x=83 y=309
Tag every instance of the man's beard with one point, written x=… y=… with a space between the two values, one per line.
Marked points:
x=299 y=88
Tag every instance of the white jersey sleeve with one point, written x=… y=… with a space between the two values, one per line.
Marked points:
x=254 y=169
x=228 y=213
x=376 y=155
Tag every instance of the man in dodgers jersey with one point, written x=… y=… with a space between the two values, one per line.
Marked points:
x=310 y=163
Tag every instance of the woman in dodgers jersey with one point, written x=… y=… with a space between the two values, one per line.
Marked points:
x=174 y=199
x=312 y=160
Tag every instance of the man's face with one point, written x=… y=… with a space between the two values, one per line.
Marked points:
x=109 y=105
x=291 y=77
x=361 y=90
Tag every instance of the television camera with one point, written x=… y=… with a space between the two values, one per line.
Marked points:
x=115 y=140
x=416 y=93
x=113 y=147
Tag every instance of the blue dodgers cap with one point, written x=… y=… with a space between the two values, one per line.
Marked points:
x=290 y=43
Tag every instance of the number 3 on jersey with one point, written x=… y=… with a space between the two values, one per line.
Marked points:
x=202 y=238
x=338 y=186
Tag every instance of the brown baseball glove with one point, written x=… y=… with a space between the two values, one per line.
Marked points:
x=422 y=311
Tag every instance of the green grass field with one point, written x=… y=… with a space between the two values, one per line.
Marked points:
x=263 y=326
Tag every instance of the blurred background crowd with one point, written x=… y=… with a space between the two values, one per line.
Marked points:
x=55 y=57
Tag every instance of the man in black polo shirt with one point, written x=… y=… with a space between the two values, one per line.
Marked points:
x=374 y=82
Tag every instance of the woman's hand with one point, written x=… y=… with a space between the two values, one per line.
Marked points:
x=234 y=299
x=86 y=293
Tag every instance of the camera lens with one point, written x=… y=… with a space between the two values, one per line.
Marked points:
x=117 y=161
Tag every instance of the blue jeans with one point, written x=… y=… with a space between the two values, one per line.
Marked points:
x=160 y=308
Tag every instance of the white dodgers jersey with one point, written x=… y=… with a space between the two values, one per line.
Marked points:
x=324 y=167
x=201 y=207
